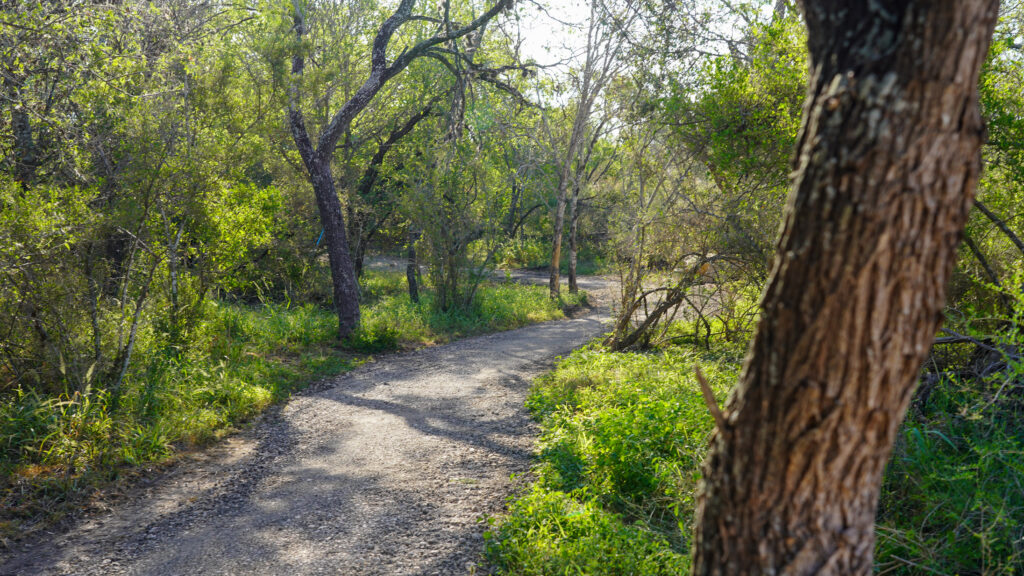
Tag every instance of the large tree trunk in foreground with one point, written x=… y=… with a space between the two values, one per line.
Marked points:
x=886 y=167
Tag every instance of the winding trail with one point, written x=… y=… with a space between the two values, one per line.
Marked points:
x=383 y=470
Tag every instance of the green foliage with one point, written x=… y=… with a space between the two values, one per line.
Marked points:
x=548 y=533
x=525 y=252
x=395 y=320
x=39 y=228
x=953 y=496
x=750 y=109
x=623 y=436
x=245 y=359
x=1002 y=101
x=953 y=492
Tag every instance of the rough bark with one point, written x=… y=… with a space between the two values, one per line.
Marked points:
x=574 y=228
x=343 y=275
x=886 y=167
x=412 y=265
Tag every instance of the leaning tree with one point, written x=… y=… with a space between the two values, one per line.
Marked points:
x=884 y=176
x=317 y=157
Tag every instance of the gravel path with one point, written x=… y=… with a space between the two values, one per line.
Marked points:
x=384 y=470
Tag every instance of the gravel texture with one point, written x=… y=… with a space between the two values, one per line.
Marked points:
x=385 y=470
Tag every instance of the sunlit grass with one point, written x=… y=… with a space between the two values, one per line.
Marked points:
x=623 y=437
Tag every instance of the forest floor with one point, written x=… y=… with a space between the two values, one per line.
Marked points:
x=387 y=469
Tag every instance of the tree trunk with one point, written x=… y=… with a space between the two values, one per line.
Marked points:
x=886 y=167
x=354 y=236
x=556 y=242
x=318 y=159
x=412 y=266
x=574 y=225
x=601 y=62
x=343 y=276
x=360 y=255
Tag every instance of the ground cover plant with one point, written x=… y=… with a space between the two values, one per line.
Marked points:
x=623 y=437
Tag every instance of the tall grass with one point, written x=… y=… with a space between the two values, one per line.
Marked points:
x=242 y=359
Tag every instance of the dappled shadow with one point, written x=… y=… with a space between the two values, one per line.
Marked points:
x=386 y=470
x=444 y=423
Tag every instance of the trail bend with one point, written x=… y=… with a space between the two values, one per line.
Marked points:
x=383 y=470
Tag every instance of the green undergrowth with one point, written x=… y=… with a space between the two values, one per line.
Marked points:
x=56 y=449
x=953 y=497
x=391 y=319
x=623 y=436
x=535 y=253
x=619 y=458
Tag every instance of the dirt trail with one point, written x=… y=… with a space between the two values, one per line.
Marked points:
x=384 y=470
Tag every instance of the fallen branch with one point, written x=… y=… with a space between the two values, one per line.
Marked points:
x=963 y=339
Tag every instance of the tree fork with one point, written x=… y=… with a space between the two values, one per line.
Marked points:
x=885 y=171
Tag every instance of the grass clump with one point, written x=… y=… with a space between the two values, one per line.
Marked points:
x=623 y=437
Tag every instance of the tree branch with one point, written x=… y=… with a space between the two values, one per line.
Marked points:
x=369 y=177
x=1001 y=225
x=381 y=71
